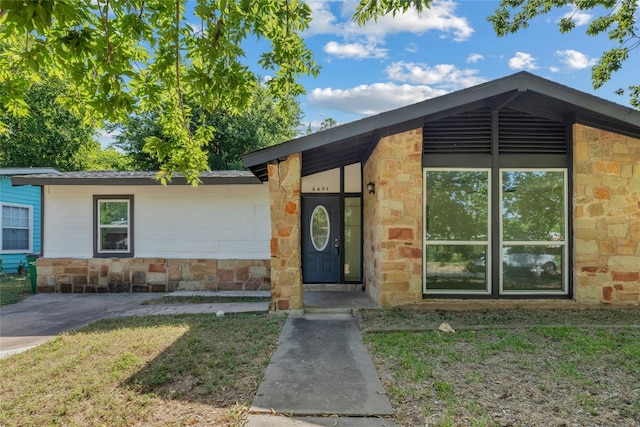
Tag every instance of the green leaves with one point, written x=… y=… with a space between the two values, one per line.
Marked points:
x=619 y=23
x=147 y=56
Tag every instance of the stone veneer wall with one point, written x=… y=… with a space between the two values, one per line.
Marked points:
x=606 y=216
x=393 y=247
x=286 y=262
x=104 y=275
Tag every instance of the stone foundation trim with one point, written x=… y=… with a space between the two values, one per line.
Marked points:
x=117 y=275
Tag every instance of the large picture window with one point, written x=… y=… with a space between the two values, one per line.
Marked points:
x=457 y=230
x=17 y=226
x=113 y=225
x=529 y=254
x=534 y=224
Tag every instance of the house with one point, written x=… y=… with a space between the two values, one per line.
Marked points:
x=519 y=188
x=20 y=210
x=516 y=189
x=124 y=232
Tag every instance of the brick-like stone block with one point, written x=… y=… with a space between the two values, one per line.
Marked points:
x=395 y=233
x=66 y=288
x=190 y=285
x=158 y=287
x=138 y=278
x=89 y=289
x=156 y=268
x=242 y=274
x=156 y=277
x=226 y=275
x=626 y=276
x=94 y=278
x=607 y=293
x=102 y=289
x=78 y=289
x=140 y=288
x=104 y=270
x=230 y=286
x=44 y=289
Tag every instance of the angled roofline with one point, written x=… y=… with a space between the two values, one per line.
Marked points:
x=132 y=178
x=519 y=82
x=27 y=171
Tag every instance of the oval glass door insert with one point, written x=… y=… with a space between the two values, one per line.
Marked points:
x=319 y=228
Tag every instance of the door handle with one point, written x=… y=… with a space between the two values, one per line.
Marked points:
x=336 y=247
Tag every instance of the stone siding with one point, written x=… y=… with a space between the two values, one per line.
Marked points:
x=393 y=247
x=286 y=262
x=606 y=215
x=105 y=275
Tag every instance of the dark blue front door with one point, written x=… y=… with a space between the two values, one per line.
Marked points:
x=321 y=239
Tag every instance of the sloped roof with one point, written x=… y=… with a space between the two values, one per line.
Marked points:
x=353 y=142
x=131 y=178
x=27 y=171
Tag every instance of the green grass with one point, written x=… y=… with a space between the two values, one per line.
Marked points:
x=541 y=374
x=154 y=370
x=169 y=299
x=13 y=288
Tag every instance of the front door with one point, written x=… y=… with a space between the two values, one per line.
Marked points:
x=321 y=239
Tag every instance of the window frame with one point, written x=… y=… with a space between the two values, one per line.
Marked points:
x=110 y=253
x=30 y=229
x=564 y=242
x=486 y=243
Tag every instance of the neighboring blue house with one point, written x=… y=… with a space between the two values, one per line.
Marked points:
x=20 y=210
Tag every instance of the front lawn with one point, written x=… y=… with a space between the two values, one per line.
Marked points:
x=509 y=367
x=14 y=288
x=142 y=371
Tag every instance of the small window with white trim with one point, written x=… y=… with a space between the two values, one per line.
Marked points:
x=113 y=223
x=17 y=228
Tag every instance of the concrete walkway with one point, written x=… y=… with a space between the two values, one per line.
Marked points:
x=321 y=374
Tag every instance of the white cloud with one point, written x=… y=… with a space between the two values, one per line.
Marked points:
x=371 y=99
x=440 y=16
x=522 y=61
x=474 y=57
x=445 y=76
x=354 y=50
x=578 y=16
x=575 y=60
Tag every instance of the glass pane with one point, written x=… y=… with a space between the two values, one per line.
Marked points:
x=532 y=268
x=319 y=228
x=6 y=216
x=533 y=205
x=456 y=268
x=457 y=206
x=352 y=234
x=15 y=239
x=114 y=239
x=114 y=212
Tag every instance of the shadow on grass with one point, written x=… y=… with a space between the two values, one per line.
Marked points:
x=151 y=371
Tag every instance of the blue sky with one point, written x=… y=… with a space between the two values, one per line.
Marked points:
x=408 y=58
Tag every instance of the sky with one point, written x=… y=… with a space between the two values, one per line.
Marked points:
x=408 y=58
x=412 y=57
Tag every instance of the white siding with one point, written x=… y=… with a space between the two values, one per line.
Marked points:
x=210 y=221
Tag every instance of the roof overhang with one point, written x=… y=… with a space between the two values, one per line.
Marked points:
x=353 y=142
x=133 y=178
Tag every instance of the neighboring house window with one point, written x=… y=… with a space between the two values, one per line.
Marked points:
x=113 y=223
x=17 y=226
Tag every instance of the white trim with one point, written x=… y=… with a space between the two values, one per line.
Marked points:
x=563 y=242
x=486 y=243
x=100 y=227
x=30 y=230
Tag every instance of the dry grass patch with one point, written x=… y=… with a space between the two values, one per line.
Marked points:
x=198 y=299
x=547 y=370
x=142 y=371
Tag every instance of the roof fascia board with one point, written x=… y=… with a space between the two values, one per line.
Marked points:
x=27 y=180
x=520 y=82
